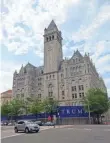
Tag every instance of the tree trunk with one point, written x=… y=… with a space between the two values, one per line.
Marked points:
x=94 y=119
x=98 y=118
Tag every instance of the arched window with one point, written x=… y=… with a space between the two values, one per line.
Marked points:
x=52 y=37
x=50 y=90
x=47 y=39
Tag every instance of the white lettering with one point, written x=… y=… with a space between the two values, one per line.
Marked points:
x=68 y=112
x=73 y=111
x=80 y=111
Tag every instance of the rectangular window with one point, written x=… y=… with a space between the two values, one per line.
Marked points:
x=79 y=87
x=82 y=87
x=50 y=94
x=73 y=88
x=72 y=96
x=80 y=95
x=75 y=95
x=63 y=93
x=63 y=97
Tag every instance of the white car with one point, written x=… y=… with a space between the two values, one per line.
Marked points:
x=26 y=126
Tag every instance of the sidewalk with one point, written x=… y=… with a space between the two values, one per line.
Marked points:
x=6 y=127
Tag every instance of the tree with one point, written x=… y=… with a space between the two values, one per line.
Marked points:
x=35 y=106
x=97 y=101
x=16 y=106
x=50 y=106
x=5 y=109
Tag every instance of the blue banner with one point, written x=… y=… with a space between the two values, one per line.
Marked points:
x=63 y=112
x=72 y=111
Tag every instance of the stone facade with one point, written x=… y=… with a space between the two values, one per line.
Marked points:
x=67 y=80
x=6 y=96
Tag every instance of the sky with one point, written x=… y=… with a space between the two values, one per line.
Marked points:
x=85 y=25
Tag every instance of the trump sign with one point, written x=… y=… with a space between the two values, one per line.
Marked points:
x=72 y=111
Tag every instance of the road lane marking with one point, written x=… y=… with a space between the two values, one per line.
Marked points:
x=87 y=129
x=11 y=136
x=107 y=130
x=22 y=133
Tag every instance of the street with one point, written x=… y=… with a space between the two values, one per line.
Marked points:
x=64 y=134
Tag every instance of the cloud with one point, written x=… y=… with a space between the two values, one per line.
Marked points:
x=23 y=25
x=18 y=39
x=86 y=31
x=7 y=69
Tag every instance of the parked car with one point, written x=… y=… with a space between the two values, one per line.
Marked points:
x=49 y=124
x=26 y=126
x=10 y=124
x=39 y=123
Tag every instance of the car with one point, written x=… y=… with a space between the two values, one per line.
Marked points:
x=26 y=126
x=49 y=124
x=10 y=124
x=39 y=123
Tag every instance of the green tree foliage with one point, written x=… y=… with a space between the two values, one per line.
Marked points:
x=16 y=106
x=97 y=101
x=50 y=105
x=35 y=105
x=5 y=109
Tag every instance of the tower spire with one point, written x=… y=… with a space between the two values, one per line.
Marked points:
x=52 y=26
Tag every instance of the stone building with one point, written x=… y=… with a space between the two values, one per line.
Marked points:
x=67 y=80
x=6 y=96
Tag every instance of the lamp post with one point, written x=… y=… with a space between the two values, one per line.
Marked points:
x=89 y=112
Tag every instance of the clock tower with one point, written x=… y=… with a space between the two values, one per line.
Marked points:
x=52 y=48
